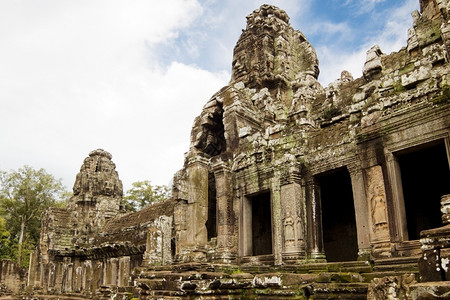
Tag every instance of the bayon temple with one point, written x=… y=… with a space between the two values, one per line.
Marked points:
x=289 y=190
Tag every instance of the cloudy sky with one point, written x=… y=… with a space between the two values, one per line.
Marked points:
x=130 y=76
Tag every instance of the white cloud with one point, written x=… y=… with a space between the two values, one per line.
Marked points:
x=82 y=75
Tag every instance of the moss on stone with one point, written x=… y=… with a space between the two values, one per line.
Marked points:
x=444 y=98
x=398 y=87
x=330 y=112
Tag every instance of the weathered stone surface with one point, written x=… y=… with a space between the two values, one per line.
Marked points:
x=430 y=290
x=12 y=278
x=373 y=64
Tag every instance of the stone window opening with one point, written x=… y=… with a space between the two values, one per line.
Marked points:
x=425 y=177
x=257 y=229
x=338 y=216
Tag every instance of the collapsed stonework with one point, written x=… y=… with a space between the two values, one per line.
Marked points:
x=289 y=190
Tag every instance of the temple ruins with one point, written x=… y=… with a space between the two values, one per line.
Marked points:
x=289 y=190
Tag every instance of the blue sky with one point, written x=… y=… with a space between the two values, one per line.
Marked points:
x=130 y=76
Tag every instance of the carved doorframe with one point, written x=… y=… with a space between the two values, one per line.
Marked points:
x=399 y=230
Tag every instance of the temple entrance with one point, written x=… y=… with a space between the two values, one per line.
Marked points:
x=257 y=225
x=338 y=216
x=425 y=178
x=261 y=224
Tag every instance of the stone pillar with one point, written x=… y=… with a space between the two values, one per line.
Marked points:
x=34 y=270
x=153 y=251
x=314 y=220
x=193 y=211
x=226 y=242
x=399 y=229
x=245 y=224
x=361 y=213
x=67 y=275
x=59 y=276
x=87 y=276
x=124 y=271
x=112 y=266
x=277 y=240
x=378 y=212
x=98 y=274
x=50 y=272
x=77 y=280
x=293 y=222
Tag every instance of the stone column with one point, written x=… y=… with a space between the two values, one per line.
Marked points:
x=378 y=217
x=293 y=222
x=244 y=212
x=59 y=276
x=193 y=211
x=124 y=271
x=87 y=276
x=34 y=271
x=361 y=212
x=68 y=275
x=77 y=280
x=277 y=240
x=314 y=220
x=98 y=274
x=226 y=240
x=400 y=229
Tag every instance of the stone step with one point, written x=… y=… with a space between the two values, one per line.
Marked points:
x=404 y=264
x=350 y=291
x=368 y=277
x=353 y=266
x=314 y=290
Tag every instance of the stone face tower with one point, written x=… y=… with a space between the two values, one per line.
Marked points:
x=97 y=193
x=270 y=53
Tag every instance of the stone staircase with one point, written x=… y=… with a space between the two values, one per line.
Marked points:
x=344 y=280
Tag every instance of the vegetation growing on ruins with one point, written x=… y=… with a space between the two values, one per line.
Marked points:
x=444 y=98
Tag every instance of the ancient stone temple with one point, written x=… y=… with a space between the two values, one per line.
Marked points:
x=92 y=246
x=289 y=190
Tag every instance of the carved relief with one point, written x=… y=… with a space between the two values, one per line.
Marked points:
x=379 y=217
x=293 y=223
x=376 y=196
x=289 y=234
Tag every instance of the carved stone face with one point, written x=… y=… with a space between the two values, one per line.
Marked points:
x=270 y=50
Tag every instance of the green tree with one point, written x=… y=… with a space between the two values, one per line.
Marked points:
x=24 y=195
x=143 y=193
x=5 y=249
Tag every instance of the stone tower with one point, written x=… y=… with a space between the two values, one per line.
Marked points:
x=97 y=193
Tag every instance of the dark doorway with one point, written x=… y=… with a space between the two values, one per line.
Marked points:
x=261 y=224
x=425 y=179
x=211 y=223
x=338 y=216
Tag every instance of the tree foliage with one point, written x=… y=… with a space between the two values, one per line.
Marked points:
x=4 y=240
x=143 y=193
x=24 y=195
